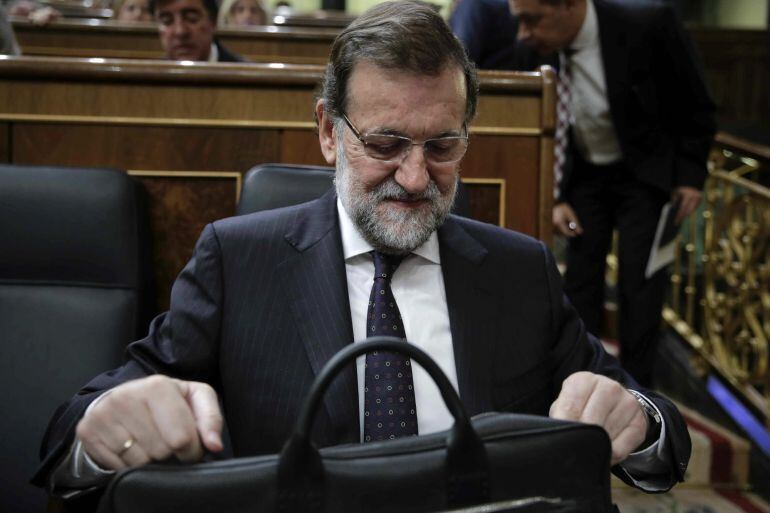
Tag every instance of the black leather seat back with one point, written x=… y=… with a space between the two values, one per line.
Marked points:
x=269 y=186
x=73 y=268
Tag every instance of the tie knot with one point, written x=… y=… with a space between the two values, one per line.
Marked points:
x=385 y=265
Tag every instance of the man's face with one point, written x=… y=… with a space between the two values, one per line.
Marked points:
x=186 y=31
x=397 y=205
x=547 y=27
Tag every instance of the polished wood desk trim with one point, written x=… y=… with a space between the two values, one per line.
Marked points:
x=139 y=70
x=77 y=25
x=97 y=68
x=68 y=74
x=743 y=146
x=548 y=122
x=120 y=120
x=216 y=123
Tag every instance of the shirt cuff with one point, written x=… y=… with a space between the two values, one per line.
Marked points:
x=77 y=470
x=649 y=468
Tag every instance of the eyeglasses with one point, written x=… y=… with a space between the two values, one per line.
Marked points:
x=394 y=148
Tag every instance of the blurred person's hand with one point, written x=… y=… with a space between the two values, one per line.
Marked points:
x=565 y=221
x=44 y=15
x=689 y=199
x=22 y=8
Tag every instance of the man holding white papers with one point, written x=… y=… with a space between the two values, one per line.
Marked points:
x=638 y=123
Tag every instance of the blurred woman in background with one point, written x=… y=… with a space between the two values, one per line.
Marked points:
x=131 y=10
x=239 y=13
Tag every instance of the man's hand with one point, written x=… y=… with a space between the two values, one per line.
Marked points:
x=151 y=419
x=44 y=16
x=689 y=199
x=595 y=399
x=565 y=221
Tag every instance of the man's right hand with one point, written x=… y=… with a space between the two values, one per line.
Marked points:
x=565 y=221
x=152 y=419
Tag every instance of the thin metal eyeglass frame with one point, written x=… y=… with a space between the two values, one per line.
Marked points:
x=403 y=155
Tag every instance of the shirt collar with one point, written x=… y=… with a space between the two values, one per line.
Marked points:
x=214 y=53
x=353 y=244
x=588 y=35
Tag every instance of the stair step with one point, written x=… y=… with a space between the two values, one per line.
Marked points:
x=719 y=457
x=684 y=499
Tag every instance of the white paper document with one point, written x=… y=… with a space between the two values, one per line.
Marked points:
x=664 y=245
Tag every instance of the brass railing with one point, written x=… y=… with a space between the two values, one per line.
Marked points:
x=720 y=283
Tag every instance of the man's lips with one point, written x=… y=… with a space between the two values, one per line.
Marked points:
x=183 y=48
x=407 y=203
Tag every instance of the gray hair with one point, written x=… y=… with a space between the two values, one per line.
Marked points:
x=400 y=35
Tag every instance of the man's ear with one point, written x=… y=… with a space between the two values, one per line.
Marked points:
x=326 y=136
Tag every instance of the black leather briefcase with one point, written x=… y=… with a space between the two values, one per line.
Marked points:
x=494 y=462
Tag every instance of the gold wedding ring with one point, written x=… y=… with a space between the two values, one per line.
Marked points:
x=126 y=446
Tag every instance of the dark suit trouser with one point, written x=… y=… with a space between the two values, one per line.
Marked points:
x=604 y=198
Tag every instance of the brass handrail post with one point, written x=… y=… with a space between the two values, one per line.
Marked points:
x=731 y=288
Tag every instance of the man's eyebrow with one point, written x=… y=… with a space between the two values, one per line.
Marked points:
x=393 y=131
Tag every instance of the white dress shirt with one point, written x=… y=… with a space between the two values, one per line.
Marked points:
x=593 y=129
x=418 y=287
x=213 y=54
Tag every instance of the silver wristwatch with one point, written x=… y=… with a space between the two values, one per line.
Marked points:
x=653 y=419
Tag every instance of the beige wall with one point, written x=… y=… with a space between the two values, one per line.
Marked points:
x=353 y=6
x=359 y=6
x=298 y=5
x=742 y=13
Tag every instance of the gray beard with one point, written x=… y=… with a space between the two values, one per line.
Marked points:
x=390 y=229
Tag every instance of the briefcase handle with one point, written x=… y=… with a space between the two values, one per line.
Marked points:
x=300 y=469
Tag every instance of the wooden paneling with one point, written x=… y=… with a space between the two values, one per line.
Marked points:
x=144 y=147
x=112 y=39
x=487 y=199
x=179 y=209
x=737 y=68
x=202 y=119
x=509 y=158
x=301 y=147
x=5 y=143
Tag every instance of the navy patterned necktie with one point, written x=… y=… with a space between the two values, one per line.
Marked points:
x=389 y=407
x=564 y=118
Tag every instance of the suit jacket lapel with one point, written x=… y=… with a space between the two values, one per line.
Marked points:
x=614 y=42
x=472 y=310
x=317 y=287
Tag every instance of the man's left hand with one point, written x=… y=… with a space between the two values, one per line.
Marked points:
x=595 y=399
x=689 y=199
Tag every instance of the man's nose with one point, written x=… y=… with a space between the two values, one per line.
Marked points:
x=179 y=27
x=523 y=34
x=412 y=174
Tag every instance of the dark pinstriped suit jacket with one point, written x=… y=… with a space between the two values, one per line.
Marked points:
x=263 y=304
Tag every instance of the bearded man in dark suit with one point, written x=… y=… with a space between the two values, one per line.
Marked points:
x=268 y=298
x=640 y=126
